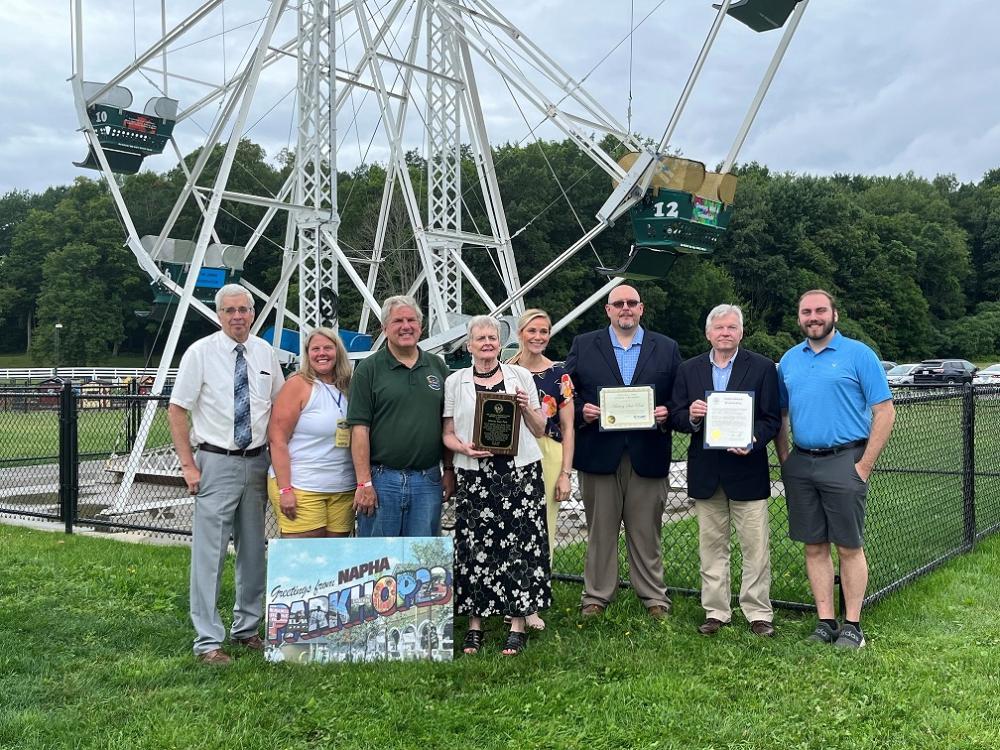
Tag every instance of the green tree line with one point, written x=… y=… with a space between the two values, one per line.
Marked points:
x=915 y=263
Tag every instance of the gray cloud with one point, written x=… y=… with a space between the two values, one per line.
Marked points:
x=878 y=88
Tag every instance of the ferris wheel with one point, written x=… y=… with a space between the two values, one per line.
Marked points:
x=411 y=74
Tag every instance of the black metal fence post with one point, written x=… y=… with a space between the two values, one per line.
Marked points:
x=969 y=465
x=74 y=446
x=132 y=413
x=69 y=475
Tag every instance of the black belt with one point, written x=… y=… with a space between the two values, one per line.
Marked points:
x=833 y=450
x=244 y=452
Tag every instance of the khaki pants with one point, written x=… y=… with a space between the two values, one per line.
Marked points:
x=750 y=518
x=610 y=500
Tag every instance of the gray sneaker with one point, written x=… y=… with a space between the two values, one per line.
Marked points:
x=850 y=638
x=824 y=634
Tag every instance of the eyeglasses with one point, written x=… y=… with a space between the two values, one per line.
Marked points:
x=618 y=304
x=234 y=310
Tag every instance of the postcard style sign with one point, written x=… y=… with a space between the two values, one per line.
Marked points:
x=337 y=600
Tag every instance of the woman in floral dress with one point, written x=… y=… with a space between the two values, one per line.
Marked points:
x=501 y=540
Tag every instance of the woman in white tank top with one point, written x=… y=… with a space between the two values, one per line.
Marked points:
x=311 y=482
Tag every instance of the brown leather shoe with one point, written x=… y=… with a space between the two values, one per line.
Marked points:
x=591 y=610
x=658 y=612
x=711 y=626
x=762 y=628
x=253 y=642
x=216 y=657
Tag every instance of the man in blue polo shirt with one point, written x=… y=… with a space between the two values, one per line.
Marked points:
x=837 y=401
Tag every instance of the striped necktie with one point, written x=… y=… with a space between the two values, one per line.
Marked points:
x=241 y=398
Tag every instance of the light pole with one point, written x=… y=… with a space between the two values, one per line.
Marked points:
x=58 y=330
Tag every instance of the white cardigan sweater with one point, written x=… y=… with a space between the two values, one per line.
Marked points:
x=460 y=404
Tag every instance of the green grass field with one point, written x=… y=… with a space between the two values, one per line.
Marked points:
x=97 y=655
x=33 y=437
x=916 y=509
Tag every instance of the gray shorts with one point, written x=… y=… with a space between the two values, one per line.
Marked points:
x=826 y=498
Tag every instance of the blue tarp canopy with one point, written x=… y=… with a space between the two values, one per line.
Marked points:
x=354 y=341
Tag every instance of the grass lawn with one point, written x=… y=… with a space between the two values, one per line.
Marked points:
x=96 y=653
x=101 y=431
x=916 y=509
x=17 y=360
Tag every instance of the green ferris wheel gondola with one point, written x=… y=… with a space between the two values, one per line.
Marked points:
x=127 y=137
x=761 y=15
x=223 y=264
x=686 y=210
x=680 y=221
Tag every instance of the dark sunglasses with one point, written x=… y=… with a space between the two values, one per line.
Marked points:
x=618 y=304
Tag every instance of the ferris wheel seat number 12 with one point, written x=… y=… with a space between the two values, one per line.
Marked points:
x=702 y=210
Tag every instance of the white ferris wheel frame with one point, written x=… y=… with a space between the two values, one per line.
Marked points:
x=311 y=252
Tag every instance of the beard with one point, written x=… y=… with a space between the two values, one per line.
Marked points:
x=825 y=331
x=627 y=324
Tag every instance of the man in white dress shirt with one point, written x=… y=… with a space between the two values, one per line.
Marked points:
x=226 y=383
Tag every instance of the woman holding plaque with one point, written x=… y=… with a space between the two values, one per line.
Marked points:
x=311 y=482
x=501 y=545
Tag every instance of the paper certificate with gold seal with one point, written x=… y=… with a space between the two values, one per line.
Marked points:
x=628 y=408
x=729 y=419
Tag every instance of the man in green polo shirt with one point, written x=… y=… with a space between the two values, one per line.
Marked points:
x=397 y=395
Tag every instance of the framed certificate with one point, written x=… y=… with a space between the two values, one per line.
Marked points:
x=729 y=420
x=628 y=408
x=498 y=423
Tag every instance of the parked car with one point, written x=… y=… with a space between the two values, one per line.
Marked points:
x=944 y=371
x=988 y=376
x=901 y=374
x=888 y=364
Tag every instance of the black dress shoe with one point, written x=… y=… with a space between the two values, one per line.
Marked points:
x=762 y=628
x=711 y=626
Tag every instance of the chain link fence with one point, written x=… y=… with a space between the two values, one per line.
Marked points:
x=66 y=456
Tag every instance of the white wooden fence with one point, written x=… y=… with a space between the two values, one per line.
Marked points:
x=106 y=374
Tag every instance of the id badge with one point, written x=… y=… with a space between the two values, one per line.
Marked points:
x=342 y=438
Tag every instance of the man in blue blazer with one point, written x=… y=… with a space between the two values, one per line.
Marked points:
x=731 y=487
x=621 y=471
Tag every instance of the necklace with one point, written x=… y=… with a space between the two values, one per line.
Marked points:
x=488 y=373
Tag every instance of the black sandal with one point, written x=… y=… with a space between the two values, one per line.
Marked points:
x=473 y=642
x=515 y=643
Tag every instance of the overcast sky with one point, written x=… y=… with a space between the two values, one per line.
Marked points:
x=873 y=87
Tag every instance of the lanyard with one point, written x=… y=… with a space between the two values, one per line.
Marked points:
x=339 y=397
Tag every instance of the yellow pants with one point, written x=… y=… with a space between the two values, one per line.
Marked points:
x=552 y=456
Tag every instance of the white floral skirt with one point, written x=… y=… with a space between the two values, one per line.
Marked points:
x=501 y=540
